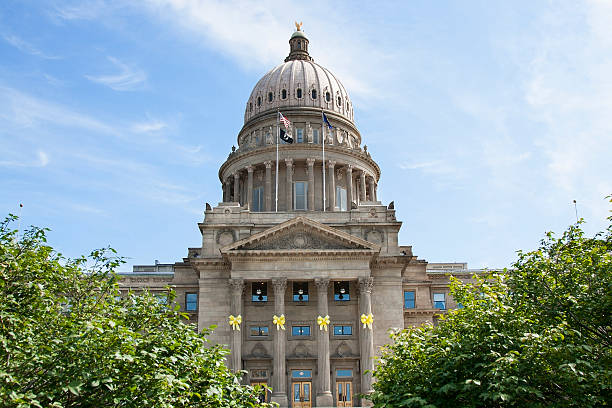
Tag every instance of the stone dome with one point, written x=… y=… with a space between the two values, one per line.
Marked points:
x=299 y=82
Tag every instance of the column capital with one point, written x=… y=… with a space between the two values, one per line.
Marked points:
x=363 y=173
x=366 y=285
x=268 y=164
x=349 y=167
x=289 y=162
x=310 y=161
x=322 y=283
x=280 y=284
x=236 y=173
x=249 y=168
x=237 y=285
x=331 y=163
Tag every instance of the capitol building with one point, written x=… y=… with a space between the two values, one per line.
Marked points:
x=299 y=266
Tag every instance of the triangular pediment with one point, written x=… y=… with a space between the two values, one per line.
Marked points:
x=300 y=234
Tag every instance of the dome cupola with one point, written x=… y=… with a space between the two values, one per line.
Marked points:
x=298 y=44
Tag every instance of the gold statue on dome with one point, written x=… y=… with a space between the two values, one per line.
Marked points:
x=298 y=26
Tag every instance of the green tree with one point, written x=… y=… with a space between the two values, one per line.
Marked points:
x=67 y=339
x=537 y=335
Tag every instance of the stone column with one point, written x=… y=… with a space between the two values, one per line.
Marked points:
x=289 y=164
x=366 y=338
x=349 y=186
x=237 y=288
x=371 y=186
x=249 y=193
x=224 y=185
x=375 y=191
x=324 y=395
x=362 y=186
x=279 y=380
x=311 y=188
x=237 y=187
x=268 y=186
x=331 y=198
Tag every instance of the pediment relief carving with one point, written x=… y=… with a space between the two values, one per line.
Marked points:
x=299 y=238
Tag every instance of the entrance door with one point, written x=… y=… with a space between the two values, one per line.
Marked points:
x=344 y=395
x=301 y=394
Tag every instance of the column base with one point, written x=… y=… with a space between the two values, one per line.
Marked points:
x=325 y=399
x=280 y=399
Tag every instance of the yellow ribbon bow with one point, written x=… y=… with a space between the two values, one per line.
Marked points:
x=235 y=321
x=279 y=321
x=323 y=322
x=367 y=320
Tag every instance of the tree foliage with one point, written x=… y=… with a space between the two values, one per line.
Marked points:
x=538 y=335
x=68 y=340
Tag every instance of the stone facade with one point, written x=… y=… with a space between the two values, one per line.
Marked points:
x=302 y=237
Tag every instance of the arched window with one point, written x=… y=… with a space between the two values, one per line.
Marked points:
x=327 y=96
x=250 y=106
x=347 y=106
x=298 y=93
x=313 y=93
x=284 y=94
x=270 y=96
x=259 y=101
x=339 y=101
x=299 y=44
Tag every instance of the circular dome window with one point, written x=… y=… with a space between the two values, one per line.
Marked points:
x=327 y=96
x=313 y=94
x=298 y=93
x=270 y=96
x=284 y=94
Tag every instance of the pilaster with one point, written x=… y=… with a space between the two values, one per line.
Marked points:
x=366 y=338
x=237 y=288
x=279 y=381
x=324 y=395
x=311 y=187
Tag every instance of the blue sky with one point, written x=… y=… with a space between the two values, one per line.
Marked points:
x=487 y=118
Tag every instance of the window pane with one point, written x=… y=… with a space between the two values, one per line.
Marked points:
x=344 y=373
x=409 y=297
x=315 y=136
x=191 y=301
x=341 y=291
x=301 y=374
x=439 y=301
x=301 y=189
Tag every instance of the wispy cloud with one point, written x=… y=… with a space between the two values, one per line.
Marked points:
x=41 y=160
x=127 y=79
x=82 y=10
x=152 y=125
x=24 y=46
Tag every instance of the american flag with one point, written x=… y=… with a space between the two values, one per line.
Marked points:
x=285 y=121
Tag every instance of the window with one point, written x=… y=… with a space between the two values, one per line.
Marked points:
x=315 y=135
x=341 y=291
x=409 y=298
x=339 y=101
x=284 y=94
x=300 y=291
x=300 y=191
x=347 y=106
x=258 y=199
x=251 y=106
x=327 y=96
x=300 y=330
x=313 y=94
x=299 y=134
x=343 y=330
x=191 y=302
x=270 y=96
x=439 y=301
x=259 y=331
x=341 y=198
x=345 y=372
x=259 y=101
x=298 y=93
x=162 y=298
x=301 y=374
x=259 y=292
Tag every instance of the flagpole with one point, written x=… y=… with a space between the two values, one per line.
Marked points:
x=323 y=136
x=277 y=136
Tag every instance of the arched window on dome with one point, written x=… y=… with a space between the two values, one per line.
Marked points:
x=259 y=101
x=339 y=101
x=347 y=106
x=284 y=94
x=250 y=106
x=298 y=93
x=313 y=94
x=327 y=96
x=270 y=96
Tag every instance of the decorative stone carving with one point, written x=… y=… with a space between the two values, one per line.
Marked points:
x=374 y=236
x=339 y=136
x=237 y=286
x=279 y=284
x=308 y=132
x=366 y=284
x=300 y=239
x=339 y=174
x=259 y=351
x=343 y=350
x=268 y=164
x=301 y=351
x=225 y=237
x=322 y=284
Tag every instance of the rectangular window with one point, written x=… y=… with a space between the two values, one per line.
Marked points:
x=315 y=136
x=162 y=298
x=300 y=330
x=259 y=331
x=258 y=199
x=341 y=198
x=299 y=134
x=300 y=192
x=343 y=330
x=301 y=373
x=344 y=373
x=259 y=292
x=191 y=302
x=409 y=298
x=439 y=301
x=341 y=291
x=300 y=291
